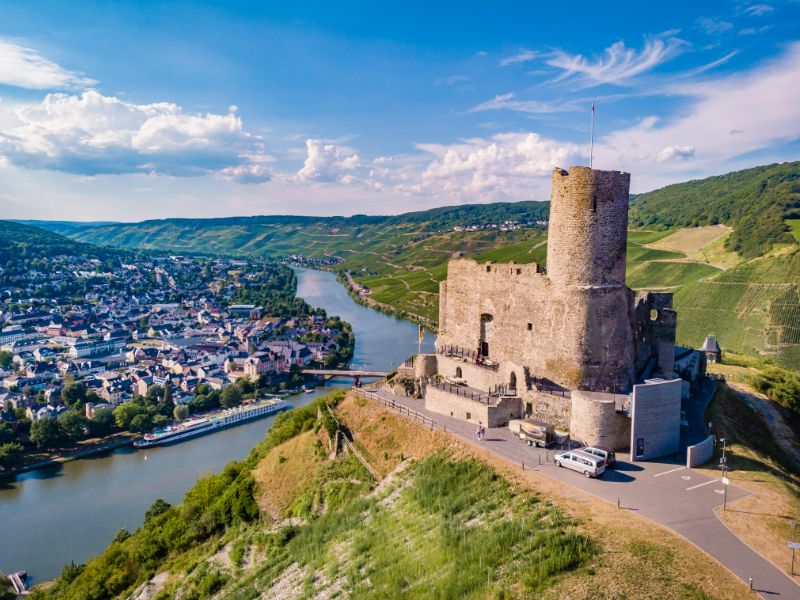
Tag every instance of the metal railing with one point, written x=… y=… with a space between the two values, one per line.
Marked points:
x=470 y=355
x=402 y=409
x=462 y=391
x=546 y=386
x=351 y=447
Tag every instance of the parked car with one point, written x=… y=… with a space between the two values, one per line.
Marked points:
x=583 y=462
x=604 y=452
x=537 y=432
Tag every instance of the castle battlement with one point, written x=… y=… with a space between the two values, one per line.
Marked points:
x=574 y=326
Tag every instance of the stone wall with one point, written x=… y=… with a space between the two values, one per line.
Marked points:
x=445 y=403
x=594 y=419
x=588 y=229
x=656 y=419
x=554 y=410
x=572 y=324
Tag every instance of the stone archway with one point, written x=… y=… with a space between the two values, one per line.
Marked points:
x=512 y=382
x=459 y=373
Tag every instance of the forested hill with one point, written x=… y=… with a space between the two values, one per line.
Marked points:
x=755 y=202
x=20 y=242
x=312 y=236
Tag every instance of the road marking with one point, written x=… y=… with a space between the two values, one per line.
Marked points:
x=686 y=477
x=667 y=472
x=702 y=484
x=720 y=491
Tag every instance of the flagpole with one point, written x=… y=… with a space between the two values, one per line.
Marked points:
x=591 y=143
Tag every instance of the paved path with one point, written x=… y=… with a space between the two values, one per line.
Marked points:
x=666 y=492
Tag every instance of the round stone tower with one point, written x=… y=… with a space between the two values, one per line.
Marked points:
x=588 y=230
x=586 y=251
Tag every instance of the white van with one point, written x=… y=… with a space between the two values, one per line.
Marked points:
x=583 y=462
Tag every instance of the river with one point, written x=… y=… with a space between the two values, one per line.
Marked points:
x=71 y=512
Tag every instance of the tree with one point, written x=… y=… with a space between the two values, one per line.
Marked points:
x=168 y=393
x=73 y=424
x=231 y=396
x=46 y=433
x=141 y=423
x=159 y=507
x=74 y=395
x=124 y=414
x=181 y=412
x=10 y=454
x=6 y=358
x=102 y=423
x=6 y=433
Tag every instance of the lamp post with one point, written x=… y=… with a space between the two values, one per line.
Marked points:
x=794 y=538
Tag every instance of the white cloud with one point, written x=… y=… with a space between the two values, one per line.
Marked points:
x=510 y=165
x=327 y=162
x=727 y=117
x=90 y=134
x=675 y=153
x=522 y=56
x=713 y=27
x=25 y=68
x=758 y=10
x=508 y=102
x=618 y=63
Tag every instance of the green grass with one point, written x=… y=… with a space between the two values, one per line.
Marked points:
x=652 y=275
x=456 y=530
x=794 y=228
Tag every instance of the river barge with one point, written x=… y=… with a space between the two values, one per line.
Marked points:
x=206 y=424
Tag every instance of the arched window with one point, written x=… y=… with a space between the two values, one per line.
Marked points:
x=512 y=381
x=486 y=327
x=458 y=373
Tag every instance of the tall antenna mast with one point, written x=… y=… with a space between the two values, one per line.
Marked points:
x=591 y=143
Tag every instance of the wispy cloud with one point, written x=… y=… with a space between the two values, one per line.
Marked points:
x=758 y=10
x=712 y=65
x=714 y=26
x=452 y=80
x=509 y=102
x=618 y=64
x=24 y=67
x=524 y=55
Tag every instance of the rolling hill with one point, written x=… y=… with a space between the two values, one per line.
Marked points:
x=724 y=245
x=20 y=241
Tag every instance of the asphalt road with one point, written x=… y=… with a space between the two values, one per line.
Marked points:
x=666 y=492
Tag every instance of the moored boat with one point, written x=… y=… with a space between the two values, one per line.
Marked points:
x=211 y=422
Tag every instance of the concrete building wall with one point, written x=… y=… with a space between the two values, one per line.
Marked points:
x=700 y=454
x=655 y=419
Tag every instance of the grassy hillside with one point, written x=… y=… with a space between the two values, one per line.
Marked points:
x=21 y=242
x=315 y=237
x=442 y=521
x=755 y=202
x=724 y=245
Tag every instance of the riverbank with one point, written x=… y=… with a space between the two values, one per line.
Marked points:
x=45 y=512
x=33 y=461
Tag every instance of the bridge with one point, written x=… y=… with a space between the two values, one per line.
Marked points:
x=355 y=373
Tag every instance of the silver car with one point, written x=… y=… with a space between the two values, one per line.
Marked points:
x=583 y=462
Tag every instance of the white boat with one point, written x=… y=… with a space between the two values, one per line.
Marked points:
x=199 y=426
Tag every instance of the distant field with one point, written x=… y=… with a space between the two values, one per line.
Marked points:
x=691 y=239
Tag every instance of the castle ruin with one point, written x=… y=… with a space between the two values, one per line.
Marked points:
x=570 y=344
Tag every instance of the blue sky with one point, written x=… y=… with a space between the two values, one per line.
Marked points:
x=148 y=109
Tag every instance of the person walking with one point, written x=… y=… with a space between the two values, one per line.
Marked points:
x=478 y=432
